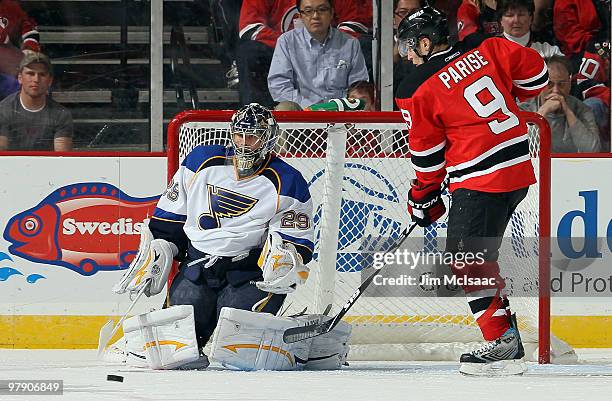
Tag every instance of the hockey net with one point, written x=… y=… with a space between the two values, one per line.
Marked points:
x=358 y=173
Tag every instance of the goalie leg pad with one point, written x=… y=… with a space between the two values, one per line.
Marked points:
x=166 y=337
x=247 y=340
x=183 y=291
x=328 y=351
x=134 y=345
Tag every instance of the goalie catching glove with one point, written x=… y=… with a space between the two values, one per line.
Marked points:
x=425 y=203
x=282 y=266
x=152 y=263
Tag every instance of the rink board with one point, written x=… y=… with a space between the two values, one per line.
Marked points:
x=53 y=305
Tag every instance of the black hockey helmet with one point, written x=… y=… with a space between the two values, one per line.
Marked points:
x=426 y=22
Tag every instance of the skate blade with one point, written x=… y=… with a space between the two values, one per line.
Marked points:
x=494 y=369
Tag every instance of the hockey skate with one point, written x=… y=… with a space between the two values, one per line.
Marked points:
x=502 y=357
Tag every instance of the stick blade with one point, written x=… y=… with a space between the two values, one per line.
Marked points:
x=106 y=332
x=295 y=334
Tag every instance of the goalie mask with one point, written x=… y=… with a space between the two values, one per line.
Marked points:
x=426 y=22
x=254 y=133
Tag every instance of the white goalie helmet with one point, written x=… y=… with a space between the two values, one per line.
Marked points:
x=252 y=120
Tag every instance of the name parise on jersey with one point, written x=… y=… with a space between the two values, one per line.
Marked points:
x=460 y=108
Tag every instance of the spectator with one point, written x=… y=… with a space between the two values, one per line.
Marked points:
x=576 y=24
x=583 y=31
x=478 y=16
x=365 y=91
x=30 y=119
x=596 y=96
x=17 y=30
x=225 y=14
x=261 y=24
x=315 y=62
x=572 y=123
x=516 y=19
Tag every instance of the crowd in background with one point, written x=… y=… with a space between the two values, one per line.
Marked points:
x=292 y=55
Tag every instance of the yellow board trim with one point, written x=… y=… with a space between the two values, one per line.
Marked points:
x=81 y=332
x=53 y=331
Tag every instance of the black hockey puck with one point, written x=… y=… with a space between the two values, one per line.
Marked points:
x=114 y=378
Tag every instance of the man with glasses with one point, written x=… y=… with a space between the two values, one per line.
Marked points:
x=261 y=24
x=572 y=123
x=315 y=62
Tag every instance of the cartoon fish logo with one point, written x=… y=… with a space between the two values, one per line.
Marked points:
x=85 y=227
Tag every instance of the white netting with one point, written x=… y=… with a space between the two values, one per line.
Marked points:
x=389 y=322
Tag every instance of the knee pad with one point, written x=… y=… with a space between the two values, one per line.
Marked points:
x=247 y=340
x=163 y=339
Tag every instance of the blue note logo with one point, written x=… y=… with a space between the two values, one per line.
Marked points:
x=224 y=204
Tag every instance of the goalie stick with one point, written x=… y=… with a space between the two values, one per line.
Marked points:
x=299 y=333
x=108 y=330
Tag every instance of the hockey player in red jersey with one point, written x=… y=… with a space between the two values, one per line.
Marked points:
x=459 y=106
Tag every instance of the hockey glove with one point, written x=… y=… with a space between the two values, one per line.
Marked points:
x=425 y=204
x=153 y=261
x=282 y=266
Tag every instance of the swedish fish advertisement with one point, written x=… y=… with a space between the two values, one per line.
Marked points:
x=70 y=226
x=84 y=227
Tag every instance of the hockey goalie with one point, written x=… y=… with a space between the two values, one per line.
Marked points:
x=239 y=221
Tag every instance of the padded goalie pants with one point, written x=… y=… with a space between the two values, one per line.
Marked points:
x=208 y=299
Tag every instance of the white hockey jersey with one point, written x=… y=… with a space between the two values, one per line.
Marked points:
x=224 y=216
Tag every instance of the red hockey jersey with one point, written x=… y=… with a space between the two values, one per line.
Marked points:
x=462 y=116
x=16 y=27
x=471 y=20
x=266 y=20
x=576 y=24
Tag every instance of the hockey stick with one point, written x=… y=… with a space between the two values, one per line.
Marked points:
x=295 y=334
x=108 y=331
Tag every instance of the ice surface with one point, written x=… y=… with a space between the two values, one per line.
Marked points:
x=85 y=379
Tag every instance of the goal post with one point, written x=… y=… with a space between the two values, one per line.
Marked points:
x=357 y=168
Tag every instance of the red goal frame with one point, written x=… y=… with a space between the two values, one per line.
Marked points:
x=396 y=117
